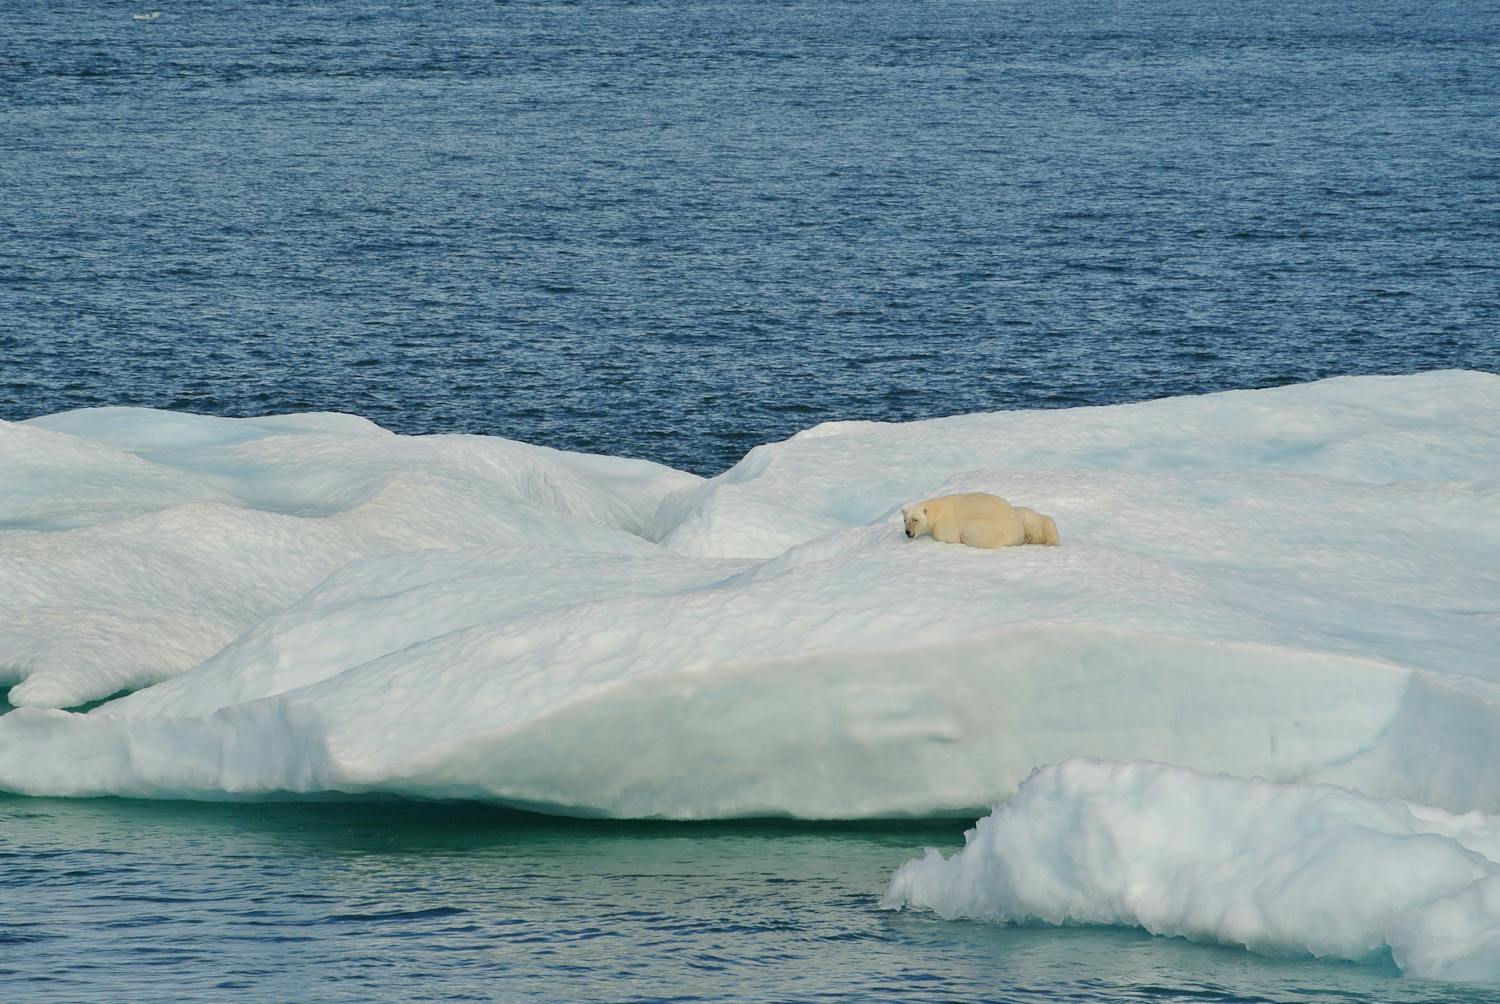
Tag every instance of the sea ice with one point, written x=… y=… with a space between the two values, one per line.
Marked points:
x=1278 y=868
x=134 y=544
x=1433 y=427
x=1300 y=583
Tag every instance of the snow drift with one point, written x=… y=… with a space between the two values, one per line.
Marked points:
x=1278 y=868
x=135 y=543
x=1300 y=583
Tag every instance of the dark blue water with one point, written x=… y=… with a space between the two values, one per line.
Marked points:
x=674 y=230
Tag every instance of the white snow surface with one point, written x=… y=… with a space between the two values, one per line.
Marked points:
x=1300 y=583
x=1280 y=868
x=136 y=543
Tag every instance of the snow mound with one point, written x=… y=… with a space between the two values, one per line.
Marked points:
x=1281 y=869
x=138 y=543
x=1302 y=584
x=1441 y=426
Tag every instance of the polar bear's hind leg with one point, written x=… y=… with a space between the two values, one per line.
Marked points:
x=1042 y=530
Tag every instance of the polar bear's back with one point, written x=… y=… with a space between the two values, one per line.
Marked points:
x=978 y=519
x=972 y=505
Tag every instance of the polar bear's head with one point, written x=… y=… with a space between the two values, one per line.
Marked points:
x=915 y=518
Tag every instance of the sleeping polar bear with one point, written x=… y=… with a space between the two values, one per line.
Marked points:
x=979 y=520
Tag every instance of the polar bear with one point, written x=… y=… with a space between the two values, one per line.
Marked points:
x=979 y=520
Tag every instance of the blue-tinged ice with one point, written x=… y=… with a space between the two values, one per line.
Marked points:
x=1300 y=583
x=1280 y=868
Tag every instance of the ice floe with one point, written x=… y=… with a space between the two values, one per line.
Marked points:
x=1300 y=583
x=1281 y=869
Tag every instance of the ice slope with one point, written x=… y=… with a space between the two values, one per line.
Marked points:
x=1278 y=868
x=1299 y=583
x=134 y=544
x=1440 y=427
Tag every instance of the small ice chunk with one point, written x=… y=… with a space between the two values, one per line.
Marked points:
x=1280 y=868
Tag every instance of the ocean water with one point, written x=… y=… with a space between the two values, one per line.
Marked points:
x=675 y=230
x=357 y=901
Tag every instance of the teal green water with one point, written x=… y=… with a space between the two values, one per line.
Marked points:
x=356 y=900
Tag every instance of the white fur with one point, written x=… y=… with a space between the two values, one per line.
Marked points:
x=979 y=520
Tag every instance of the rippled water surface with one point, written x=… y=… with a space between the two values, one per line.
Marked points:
x=674 y=230
x=117 y=900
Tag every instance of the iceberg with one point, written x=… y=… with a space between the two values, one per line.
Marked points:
x=1301 y=584
x=1280 y=868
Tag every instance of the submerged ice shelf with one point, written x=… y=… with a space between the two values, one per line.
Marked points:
x=1300 y=583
